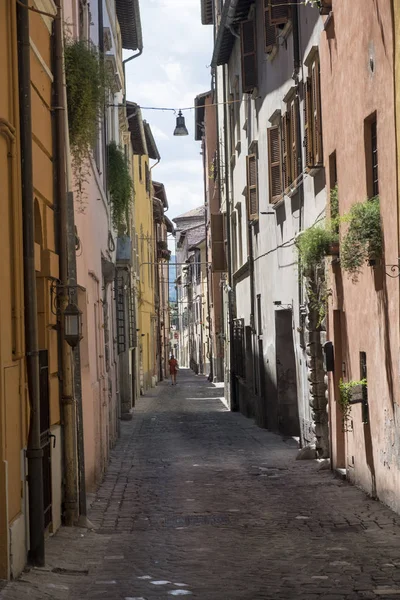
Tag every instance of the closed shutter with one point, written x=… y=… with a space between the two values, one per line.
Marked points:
x=249 y=55
x=269 y=30
x=286 y=167
x=316 y=113
x=294 y=128
x=279 y=11
x=308 y=120
x=218 y=258
x=252 y=192
x=275 y=166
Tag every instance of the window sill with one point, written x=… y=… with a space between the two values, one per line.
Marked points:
x=314 y=171
x=241 y=272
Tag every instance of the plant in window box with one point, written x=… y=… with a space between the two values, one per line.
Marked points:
x=347 y=389
x=314 y=244
x=363 y=241
x=324 y=6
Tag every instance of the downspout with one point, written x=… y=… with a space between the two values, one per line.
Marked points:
x=34 y=451
x=67 y=259
x=232 y=377
x=208 y=267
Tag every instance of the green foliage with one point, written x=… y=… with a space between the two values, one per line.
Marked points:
x=346 y=390
x=313 y=246
x=119 y=185
x=86 y=90
x=334 y=209
x=363 y=240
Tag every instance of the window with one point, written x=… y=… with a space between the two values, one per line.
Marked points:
x=240 y=238
x=275 y=164
x=290 y=143
x=279 y=11
x=252 y=191
x=218 y=256
x=239 y=347
x=270 y=33
x=371 y=155
x=147 y=174
x=312 y=117
x=236 y=107
x=249 y=55
x=140 y=168
x=234 y=242
x=333 y=194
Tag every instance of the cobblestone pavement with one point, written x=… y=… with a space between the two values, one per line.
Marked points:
x=199 y=502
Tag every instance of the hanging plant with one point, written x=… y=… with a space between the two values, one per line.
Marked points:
x=363 y=240
x=119 y=185
x=314 y=244
x=346 y=392
x=86 y=92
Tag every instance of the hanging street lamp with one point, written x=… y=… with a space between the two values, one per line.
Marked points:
x=180 y=128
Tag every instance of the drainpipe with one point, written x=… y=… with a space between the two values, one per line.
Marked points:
x=34 y=452
x=66 y=235
x=231 y=292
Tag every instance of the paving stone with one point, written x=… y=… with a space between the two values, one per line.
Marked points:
x=198 y=502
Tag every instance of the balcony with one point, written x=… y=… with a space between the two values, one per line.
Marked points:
x=162 y=250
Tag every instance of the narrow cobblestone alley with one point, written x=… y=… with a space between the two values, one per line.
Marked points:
x=199 y=502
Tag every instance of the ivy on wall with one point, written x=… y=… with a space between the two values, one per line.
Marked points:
x=120 y=185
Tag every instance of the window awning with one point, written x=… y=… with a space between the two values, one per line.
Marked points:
x=128 y=16
x=233 y=12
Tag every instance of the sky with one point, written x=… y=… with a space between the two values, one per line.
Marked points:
x=171 y=72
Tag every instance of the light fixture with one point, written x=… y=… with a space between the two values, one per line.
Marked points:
x=180 y=128
x=72 y=325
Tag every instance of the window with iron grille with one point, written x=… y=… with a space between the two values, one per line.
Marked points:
x=132 y=320
x=121 y=331
x=371 y=155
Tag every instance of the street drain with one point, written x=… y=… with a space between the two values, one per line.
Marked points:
x=195 y=520
x=62 y=571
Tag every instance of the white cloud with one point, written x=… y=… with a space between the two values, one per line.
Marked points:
x=171 y=72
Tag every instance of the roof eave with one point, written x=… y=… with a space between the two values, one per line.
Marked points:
x=206 y=12
x=151 y=144
x=199 y=104
x=128 y=14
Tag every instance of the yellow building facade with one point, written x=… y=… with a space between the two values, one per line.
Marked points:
x=144 y=149
x=14 y=400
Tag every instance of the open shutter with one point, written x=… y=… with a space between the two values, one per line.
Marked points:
x=286 y=167
x=252 y=192
x=249 y=55
x=218 y=258
x=279 y=11
x=308 y=120
x=316 y=113
x=294 y=128
x=275 y=166
x=269 y=30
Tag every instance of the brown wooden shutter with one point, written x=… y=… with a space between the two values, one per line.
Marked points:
x=232 y=123
x=252 y=191
x=294 y=138
x=269 y=30
x=249 y=55
x=275 y=166
x=218 y=258
x=286 y=167
x=279 y=11
x=308 y=120
x=316 y=113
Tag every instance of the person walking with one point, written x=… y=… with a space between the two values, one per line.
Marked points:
x=173 y=368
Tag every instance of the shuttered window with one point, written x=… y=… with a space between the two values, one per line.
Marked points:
x=286 y=165
x=294 y=139
x=312 y=117
x=249 y=55
x=279 y=11
x=252 y=191
x=308 y=138
x=275 y=164
x=218 y=258
x=270 y=33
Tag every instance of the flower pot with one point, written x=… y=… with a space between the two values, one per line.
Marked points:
x=333 y=249
x=325 y=7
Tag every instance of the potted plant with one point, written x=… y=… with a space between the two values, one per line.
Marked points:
x=363 y=242
x=324 y=6
x=347 y=389
x=314 y=244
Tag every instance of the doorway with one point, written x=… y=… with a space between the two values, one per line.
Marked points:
x=288 y=411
